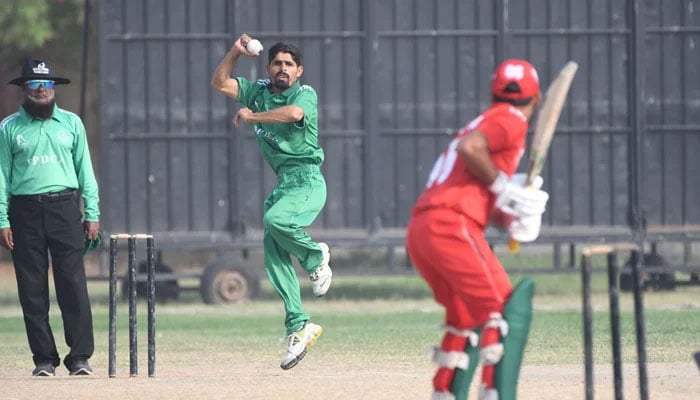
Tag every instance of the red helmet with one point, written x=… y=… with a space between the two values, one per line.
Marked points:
x=515 y=80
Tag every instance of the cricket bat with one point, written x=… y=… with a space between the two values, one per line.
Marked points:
x=547 y=119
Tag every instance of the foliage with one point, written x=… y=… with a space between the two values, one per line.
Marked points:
x=29 y=25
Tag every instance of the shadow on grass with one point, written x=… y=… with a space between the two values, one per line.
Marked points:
x=360 y=288
x=364 y=287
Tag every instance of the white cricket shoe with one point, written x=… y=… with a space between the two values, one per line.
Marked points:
x=442 y=396
x=299 y=343
x=488 y=394
x=322 y=276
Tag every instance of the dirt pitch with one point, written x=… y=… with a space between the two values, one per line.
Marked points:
x=318 y=378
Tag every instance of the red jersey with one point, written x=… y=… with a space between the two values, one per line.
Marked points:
x=452 y=186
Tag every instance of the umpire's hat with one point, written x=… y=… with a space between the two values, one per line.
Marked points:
x=37 y=69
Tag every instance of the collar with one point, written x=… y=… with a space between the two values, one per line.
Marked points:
x=56 y=115
x=517 y=111
x=514 y=110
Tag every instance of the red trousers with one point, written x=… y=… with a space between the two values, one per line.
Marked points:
x=452 y=255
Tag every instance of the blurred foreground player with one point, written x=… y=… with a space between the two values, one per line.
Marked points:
x=471 y=185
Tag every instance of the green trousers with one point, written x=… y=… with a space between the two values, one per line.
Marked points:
x=293 y=205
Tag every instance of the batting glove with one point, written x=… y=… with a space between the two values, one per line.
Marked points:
x=519 y=179
x=512 y=198
x=525 y=229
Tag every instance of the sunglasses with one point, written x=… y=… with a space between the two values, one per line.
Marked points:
x=34 y=85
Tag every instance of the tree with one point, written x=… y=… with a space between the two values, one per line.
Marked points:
x=30 y=24
x=36 y=26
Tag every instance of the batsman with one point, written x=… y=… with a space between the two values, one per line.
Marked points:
x=473 y=184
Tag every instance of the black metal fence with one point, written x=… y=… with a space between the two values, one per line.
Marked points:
x=395 y=79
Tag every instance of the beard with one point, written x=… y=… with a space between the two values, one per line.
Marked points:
x=39 y=109
x=281 y=84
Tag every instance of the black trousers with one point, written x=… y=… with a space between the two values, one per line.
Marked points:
x=43 y=224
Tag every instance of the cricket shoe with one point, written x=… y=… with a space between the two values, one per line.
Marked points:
x=487 y=393
x=299 y=343
x=322 y=276
x=442 y=396
x=44 y=370
x=80 y=367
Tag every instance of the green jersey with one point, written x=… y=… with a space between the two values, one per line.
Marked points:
x=286 y=144
x=40 y=156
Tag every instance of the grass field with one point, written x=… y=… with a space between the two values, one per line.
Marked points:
x=388 y=320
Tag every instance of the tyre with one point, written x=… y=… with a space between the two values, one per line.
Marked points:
x=228 y=281
x=650 y=280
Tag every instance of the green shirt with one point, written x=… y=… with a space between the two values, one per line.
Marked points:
x=39 y=156
x=287 y=144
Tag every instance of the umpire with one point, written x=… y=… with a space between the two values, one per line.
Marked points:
x=46 y=167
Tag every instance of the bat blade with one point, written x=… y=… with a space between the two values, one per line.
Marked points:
x=547 y=119
x=545 y=126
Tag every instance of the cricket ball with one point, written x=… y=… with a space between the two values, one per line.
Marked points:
x=254 y=46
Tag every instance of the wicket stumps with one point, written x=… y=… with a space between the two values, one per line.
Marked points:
x=151 y=295
x=613 y=293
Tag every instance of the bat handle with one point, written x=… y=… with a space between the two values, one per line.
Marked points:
x=513 y=245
